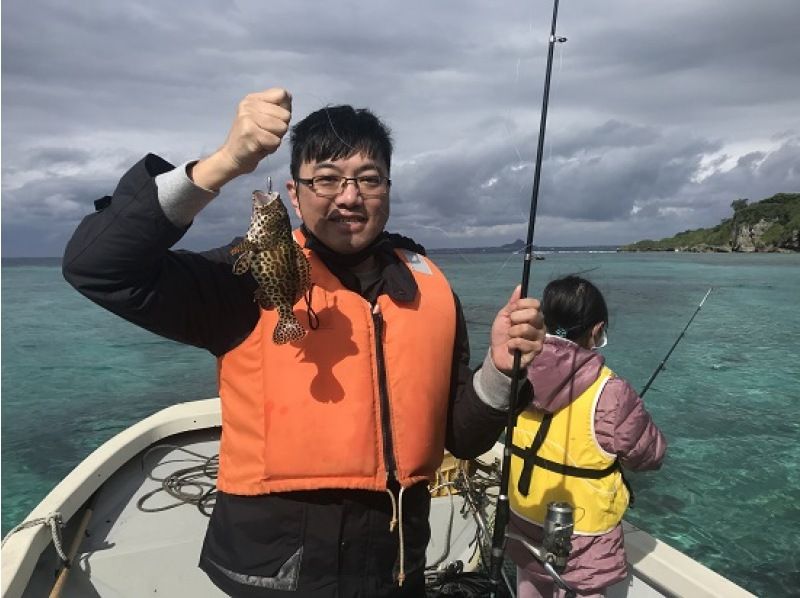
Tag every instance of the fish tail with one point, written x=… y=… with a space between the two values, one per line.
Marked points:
x=288 y=329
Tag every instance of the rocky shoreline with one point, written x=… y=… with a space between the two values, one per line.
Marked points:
x=769 y=226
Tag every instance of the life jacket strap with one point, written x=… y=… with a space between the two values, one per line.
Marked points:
x=570 y=470
x=578 y=472
x=529 y=456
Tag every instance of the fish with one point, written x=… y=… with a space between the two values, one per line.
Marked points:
x=276 y=262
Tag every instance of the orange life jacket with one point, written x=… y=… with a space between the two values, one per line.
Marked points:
x=315 y=413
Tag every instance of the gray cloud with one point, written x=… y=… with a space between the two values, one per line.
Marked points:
x=660 y=114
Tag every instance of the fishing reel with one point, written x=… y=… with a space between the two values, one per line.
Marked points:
x=556 y=545
x=558 y=527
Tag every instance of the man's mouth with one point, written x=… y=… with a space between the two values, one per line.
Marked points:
x=347 y=219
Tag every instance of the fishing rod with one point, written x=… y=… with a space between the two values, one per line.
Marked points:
x=675 y=344
x=502 y=508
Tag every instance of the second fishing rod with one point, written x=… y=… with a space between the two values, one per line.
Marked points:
x=675 y=344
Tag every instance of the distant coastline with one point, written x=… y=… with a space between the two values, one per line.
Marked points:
x=518 y=246
x=771 y=225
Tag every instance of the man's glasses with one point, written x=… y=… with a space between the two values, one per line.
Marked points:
x=329 y=186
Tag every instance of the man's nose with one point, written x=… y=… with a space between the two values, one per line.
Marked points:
x=350 y=195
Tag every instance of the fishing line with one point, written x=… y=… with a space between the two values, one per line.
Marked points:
x=550 y=142
x=326 y=107
x=513 y=143
x=502 y=509
x=333 y=128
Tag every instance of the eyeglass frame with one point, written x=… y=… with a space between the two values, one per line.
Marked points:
x=343 y=184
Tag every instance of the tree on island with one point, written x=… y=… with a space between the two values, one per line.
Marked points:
x=738 y=204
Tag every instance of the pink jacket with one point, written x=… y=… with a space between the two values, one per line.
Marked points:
x=623 y=426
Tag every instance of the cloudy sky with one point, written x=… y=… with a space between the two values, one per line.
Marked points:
x=661 y=113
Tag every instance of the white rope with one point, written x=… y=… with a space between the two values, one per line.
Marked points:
x=393 y=522
x=191 y=485
x=401 y=577
x=55 y=522
x=397 y=521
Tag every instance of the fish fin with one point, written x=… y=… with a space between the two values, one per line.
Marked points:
x=244 y=246
x=262 y=299
x=303 y=272
x=288 y=329
x=242 y=263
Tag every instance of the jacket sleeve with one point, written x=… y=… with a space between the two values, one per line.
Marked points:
x=624 y=427
x=120 y=258
x=473 y=426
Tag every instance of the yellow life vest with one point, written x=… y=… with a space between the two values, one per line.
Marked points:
x=566 y=463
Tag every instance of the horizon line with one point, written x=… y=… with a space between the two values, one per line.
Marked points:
x=499 y=247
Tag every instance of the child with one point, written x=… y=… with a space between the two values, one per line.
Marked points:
x=592 y=421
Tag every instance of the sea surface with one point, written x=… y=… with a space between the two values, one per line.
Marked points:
x=728 y=495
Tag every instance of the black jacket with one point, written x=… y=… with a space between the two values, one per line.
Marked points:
x=120 y=257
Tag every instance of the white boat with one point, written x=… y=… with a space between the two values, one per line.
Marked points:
x=119 y=550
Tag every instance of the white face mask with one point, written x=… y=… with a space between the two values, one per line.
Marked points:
x=603 y=339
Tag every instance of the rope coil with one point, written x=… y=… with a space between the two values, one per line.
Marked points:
x=195 y=485
x=55 y=522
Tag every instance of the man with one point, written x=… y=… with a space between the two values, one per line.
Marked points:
x=327 y=442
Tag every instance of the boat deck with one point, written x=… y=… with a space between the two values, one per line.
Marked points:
x=127 y=552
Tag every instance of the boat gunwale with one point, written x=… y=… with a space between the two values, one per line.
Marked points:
x=23 y=549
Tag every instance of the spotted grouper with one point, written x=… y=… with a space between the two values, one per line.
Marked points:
x=277 y=263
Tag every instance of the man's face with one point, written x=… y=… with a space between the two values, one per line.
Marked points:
x=347 y=222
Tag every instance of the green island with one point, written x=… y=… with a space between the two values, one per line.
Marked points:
x=769 y=225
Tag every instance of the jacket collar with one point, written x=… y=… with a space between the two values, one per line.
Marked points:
x=395 y=279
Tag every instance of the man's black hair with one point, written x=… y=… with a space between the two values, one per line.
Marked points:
x=571 y=306
x=336 y=132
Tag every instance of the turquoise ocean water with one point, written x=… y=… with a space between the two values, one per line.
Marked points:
x=73 y=375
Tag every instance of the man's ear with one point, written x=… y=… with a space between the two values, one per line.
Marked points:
x=292 y=190
x=597 y=328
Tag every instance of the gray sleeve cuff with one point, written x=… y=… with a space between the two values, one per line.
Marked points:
x=179 y=197
x=492 y=385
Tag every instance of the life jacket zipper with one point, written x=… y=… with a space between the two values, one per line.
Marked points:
x=386 y=422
